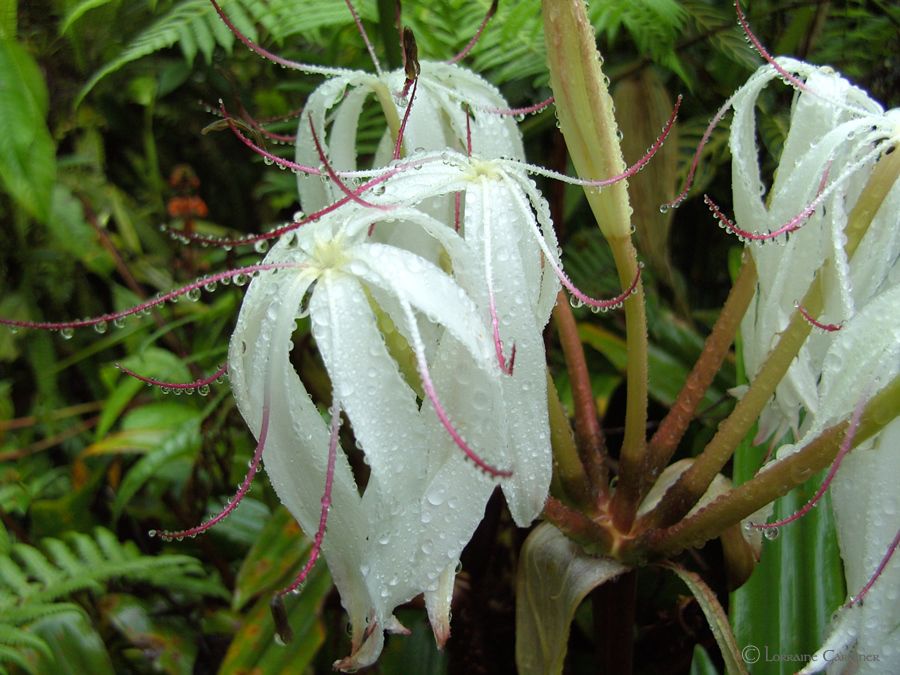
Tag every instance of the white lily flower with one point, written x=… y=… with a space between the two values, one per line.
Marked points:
x=452 y=109
x=864 y=356
x=837 y=133
x=404 y=534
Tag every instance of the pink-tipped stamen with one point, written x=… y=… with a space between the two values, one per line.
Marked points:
x=243 y=488
x=471 y=45
x=440 y=411
x=858 y=598
x=457 y=203
x=761 y=50
x=262 y=152
x=114 y=317
x=364 y=36
x=336 y=179
x=326 y=504
x=551 y=259
x=695 y=161
x=270 y=56
x=489 y=280
x=398 y=147
x=828 y=327
x=843 y=451
x=527 y=110
x=628 y=173
x=188 y=386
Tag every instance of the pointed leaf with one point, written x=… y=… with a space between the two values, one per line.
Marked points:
x=715 y=616
x=554 y=577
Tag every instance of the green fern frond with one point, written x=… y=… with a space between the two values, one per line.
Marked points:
x=33 y=580
x=193 y=24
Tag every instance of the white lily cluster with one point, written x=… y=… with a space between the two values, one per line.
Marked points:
x=412 y=293
x=837 y=135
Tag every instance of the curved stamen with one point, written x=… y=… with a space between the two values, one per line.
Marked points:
x=758 y=46
x=326 y=504
x=364 y=36
x=196 y=384
x=695 y=161
x=843 y=451
x=487 y=17
x=262 y=152
x=797 y=221
x=398 y=147
x=858 y=598
x=353 y=195
x=428 y=386
x=628 y=173
x=114 y=317
x=243 y=488
x=527 y=110
x=550 y=257
x=269 y=56
x=829 y=327
x=257 y=125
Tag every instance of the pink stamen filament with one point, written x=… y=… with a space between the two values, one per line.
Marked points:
x=266 y=54
x=206 y=381
x=602 y=305
x=428 y=386
x=457 y=199
x=695 y=161
x=326 y=505
x=280 y=161
x=257 y=125
x=468 y=48
x=337 y=179
x=858 y=598
x=498 y=343
x=829 y=327
x=792 y=225
x=243 y=488
x=758 y=46
x=398 y=147
x=510 y=112
x=629 y=172
x=468 y=135
x=364 y=36
x=149 y=304
x=843 y=451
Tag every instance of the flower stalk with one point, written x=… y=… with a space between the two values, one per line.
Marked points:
x=585 y=112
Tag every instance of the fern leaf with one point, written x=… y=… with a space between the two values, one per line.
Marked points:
x=174 y=27
x=18 y=637
x=36 y=564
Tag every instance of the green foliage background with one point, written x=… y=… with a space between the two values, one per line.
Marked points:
x=100 y=102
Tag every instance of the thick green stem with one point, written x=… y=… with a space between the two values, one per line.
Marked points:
x=585 y=111
x=693 y=483
x=664 y=442
x=389 y=29
x=774 y=482
x=569 y=477
x=589 y=436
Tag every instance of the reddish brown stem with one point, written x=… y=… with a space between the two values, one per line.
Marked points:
x=588 y=434
x=671 y=430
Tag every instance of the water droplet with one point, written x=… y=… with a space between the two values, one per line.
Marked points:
x=771 y=533
x=66 y=333
x=164 y=390
x=261 y=246
x=210 y=286
x=240 y=279
x=101 y=327
x=118 y=322
x=193 y=295
x=203 y=390
x=663 y=208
